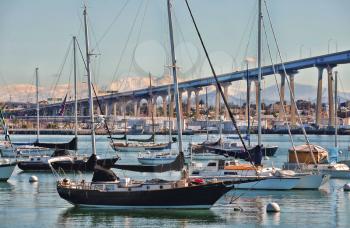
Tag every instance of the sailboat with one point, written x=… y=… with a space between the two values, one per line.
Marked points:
x=314 y=158
x=140 y=145
x=108 y=191
x=63 y=159
x=231 y=171
x=6 y=165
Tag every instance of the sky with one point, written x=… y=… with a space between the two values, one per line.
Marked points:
x=130 y=37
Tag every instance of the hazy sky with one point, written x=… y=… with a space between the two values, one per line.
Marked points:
x=38 y=33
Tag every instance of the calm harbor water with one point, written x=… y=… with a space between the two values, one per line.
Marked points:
x=38 y=204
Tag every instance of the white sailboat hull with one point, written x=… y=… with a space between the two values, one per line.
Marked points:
x=156 y=161
x=340 y=171
x=268 y=183
x=271 y=184
x=6 y=171
x=313 y=181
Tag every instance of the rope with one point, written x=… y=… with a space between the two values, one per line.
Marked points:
x=291 y=94
x=219 y=86
x=127 y=42
x=111 y=25
x=280 y=96
x=60 y=70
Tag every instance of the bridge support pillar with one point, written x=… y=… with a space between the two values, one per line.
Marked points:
x=106 y=109
x=226 y=85
x=171 y=108
x=217 y=103
x=114 y=109
x=164 y=105
x=135 y=108
x=82 y=110
x=292 y=102
x=196 y=93
x=149 y=106
x=97 y=108
x=154 y=106
x=123 y=108
x=282 y=93
x=180 y=101
x=331 y=115
x=319 y=96
x=188 y=109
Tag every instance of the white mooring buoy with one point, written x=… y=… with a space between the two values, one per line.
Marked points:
x=33 y=179
x=273 y=207
x=346 y=187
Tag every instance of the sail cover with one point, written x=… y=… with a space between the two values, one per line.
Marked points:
x=71 y=145
x=176 y=165
x=102 y=174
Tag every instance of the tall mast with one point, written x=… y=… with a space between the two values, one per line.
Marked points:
x=336 y=108
x=152 y=108
x=176 y=87
x=75 y=90
x=259 y=74
x=91 y=102
x=207 y=111
x=248 y=105
x=37 y=103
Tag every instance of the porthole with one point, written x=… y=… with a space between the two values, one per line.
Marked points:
x=161 y=187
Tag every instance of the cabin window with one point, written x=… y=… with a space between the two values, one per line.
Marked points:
x=230 y=173
x=38 y=159
x=195 y=173
x=211 y=164
x=109 y=187
x=161 y=187
x=129 y=189
x=98 y=187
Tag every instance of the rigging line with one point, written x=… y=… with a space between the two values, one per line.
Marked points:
x=103 y=114
x=249 y=38
x=183 y=39
x=250 y=22
x=70 y=75
x=342 y=87
x=291 y=93
x=111 y=25
x=82 y=55
x=137 y=41
x=127 y=42
x=219 y=86
x=60 y=70
x=280 y=95
x=6 y=85
x=96 y=66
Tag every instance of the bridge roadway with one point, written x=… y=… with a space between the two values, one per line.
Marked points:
x=322 y=62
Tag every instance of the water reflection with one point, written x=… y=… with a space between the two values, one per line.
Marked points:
x=131 y=218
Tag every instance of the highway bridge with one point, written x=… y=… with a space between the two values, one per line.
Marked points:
x=114 y=104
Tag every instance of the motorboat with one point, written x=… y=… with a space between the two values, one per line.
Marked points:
x=6 y=168
x=301 y=158
x=271 y=178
